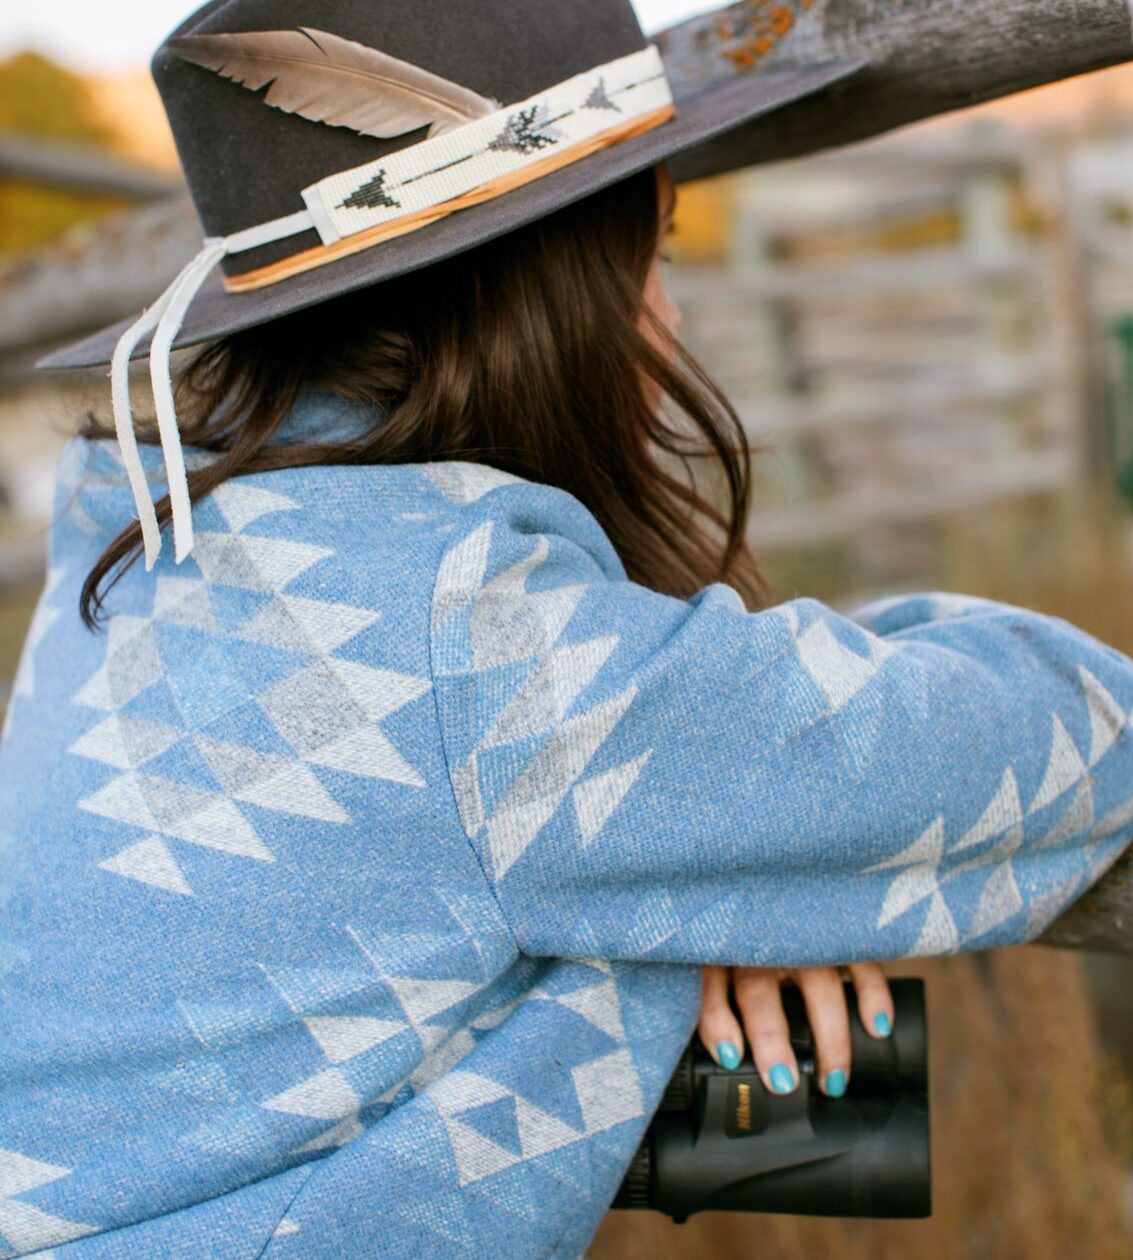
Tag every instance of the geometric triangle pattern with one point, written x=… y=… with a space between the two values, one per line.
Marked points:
x=25 y=1227
x=46 y=614
x=278 y=951
x=928 y=868
x=499 y=643
x=495 y=1124
x=624 y=802
x=322 y=710
x=150 y=862
x=357 y=873
x=596 y=798
x=486 y=1075
x=496 y=1121
x=1107 y=719
x=343 y=1037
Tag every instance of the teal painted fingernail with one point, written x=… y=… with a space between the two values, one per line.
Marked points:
x=836 y=1083
x=881 y=1023
x=728 y=1055
x=782 y=1079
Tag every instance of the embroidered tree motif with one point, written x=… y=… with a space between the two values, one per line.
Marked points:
x=370 y=195
x=527 y=131
x=599 y=99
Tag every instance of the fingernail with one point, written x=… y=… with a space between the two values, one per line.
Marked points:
x=881 y=1023
x=727 y=1054
x=782 y=1079
x=836 y=1083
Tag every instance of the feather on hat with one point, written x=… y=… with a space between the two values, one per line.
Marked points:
x=328 y=79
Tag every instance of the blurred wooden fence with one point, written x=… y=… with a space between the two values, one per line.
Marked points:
x=910 y=328
x=79 y=167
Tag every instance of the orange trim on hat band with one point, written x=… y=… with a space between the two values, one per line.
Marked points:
x=321 y=255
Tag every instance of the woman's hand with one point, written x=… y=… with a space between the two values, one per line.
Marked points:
x=758 y=997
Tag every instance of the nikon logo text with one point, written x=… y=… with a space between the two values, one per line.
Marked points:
x=743 y=1108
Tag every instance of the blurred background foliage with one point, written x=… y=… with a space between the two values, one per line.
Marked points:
x=40 y=98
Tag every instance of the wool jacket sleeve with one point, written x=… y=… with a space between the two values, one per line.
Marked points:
x=643 y=777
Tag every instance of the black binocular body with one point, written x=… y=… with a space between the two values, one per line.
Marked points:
x=720 y=1141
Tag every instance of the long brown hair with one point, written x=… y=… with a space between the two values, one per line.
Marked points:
x=524 y=353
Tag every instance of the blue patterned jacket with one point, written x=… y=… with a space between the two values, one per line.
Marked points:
x=352 y=882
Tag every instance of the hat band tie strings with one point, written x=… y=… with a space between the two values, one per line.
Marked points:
x=185 y=288
x=166 y=316
x=124 y=420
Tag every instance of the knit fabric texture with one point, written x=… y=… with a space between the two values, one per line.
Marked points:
x=353 y=880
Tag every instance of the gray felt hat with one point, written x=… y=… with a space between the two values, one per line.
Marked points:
x=333 y=144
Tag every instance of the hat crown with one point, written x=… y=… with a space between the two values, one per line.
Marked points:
x=247 y=162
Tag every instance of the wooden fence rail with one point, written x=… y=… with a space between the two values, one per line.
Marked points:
x=925 y=57
x=79 y=168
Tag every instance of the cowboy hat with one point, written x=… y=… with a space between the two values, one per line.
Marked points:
x=332 y=146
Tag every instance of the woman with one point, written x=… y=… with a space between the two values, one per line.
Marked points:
x=360 y=865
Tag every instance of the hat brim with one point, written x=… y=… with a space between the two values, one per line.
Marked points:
x=700 y=119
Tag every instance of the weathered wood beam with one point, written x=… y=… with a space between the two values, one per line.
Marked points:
x=1102 y=920
x=95 y=276
x=79 y=168
x=925 y=57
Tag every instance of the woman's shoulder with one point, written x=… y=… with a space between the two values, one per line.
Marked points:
x=492 y=513
x=441 y=508
x=358 y=525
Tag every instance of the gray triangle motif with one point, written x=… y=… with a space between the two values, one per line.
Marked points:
x=1064 y=770
x=1005 y=810
x=839 y=672
x=1107 y=718
x=531 y=800
x=149 y=862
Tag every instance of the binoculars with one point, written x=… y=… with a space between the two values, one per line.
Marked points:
x=721 y=1142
